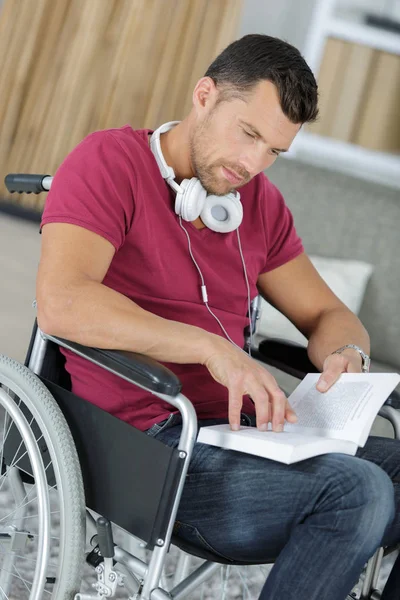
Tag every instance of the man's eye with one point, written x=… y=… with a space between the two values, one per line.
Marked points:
x=249 y=134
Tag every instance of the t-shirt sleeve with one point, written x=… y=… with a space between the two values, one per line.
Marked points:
x=283 y=242
x=92 y=188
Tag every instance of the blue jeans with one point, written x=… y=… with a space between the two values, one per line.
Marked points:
x=318 y=520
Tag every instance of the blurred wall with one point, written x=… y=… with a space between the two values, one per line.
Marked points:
x=388 y=7
x=287 y=19
x=70 y=67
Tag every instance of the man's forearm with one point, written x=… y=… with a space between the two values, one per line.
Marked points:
x=92 y=314
x=336 y=328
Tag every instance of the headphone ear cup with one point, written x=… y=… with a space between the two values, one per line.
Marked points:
x=190 y=203
x=229 y=207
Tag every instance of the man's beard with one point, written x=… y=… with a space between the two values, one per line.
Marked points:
x=207 y=172
x=204 y=171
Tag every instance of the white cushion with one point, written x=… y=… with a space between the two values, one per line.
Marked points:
x=347 y=279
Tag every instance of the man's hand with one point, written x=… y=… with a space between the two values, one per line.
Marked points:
x=348 y=361
x=242 y=375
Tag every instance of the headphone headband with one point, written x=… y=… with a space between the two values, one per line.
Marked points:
x=155 y=145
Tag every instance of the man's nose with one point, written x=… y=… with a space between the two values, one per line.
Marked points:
x=256 y=161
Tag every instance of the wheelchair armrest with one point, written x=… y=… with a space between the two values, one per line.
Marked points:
x=392 y=415
x=286 y=356
x=393 y=400
x=136 y=368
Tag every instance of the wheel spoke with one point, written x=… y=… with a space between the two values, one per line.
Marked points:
x=228 y=568
x=26 y=503
x=15 y=576
x=243 y=580
x=28 y=559
x=4 y=476
x=21 y=442
x=54 y=512
x=19 y=578
x=4 y=594
x=15 y=462
x=22 y=579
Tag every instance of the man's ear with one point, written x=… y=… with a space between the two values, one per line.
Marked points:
x=204 y=94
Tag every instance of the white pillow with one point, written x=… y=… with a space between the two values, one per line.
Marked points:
x=347 y=279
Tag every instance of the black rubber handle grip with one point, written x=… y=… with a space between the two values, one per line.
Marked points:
x=24 y=182
x=105 y=537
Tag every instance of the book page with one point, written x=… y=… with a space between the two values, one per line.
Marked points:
x=346 y=411
x=333 y=410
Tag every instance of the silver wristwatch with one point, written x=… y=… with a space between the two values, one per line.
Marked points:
x=366 y=361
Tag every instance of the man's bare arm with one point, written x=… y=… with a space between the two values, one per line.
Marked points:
x=335 y=328
x=300 y=293
x=74 y=304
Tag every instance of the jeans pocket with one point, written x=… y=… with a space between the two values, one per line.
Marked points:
x=192 y=535
x=154 y=429
x=159 y=427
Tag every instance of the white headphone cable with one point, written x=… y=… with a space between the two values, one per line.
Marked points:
x=204 y=289
x=248 y=289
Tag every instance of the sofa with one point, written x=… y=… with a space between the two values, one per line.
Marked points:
x=341 y=217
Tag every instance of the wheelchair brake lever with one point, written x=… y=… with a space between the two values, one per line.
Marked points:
x=107 y=578
x=105 y=537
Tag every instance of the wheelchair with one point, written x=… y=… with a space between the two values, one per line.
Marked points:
x=82 y=491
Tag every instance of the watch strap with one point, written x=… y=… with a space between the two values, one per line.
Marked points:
x=365 y=359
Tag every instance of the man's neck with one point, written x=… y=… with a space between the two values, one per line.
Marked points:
x=176 y=150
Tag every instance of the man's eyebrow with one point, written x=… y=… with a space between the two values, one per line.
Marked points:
x=258 y=134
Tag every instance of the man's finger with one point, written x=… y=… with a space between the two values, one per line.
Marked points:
x=260 y=397
x=290 y=415
x=327 y=380
x=235 y=407
x=352 y=368
x=278 y=403
x=333 y=368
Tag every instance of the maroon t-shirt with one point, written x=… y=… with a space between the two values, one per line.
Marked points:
x=111 y=184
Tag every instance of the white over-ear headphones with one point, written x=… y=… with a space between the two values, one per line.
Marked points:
x=219 y=213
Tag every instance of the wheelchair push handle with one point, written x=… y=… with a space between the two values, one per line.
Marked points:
x=28 y=183
x=105 y=537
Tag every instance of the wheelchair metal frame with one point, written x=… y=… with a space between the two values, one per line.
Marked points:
x=150 y=574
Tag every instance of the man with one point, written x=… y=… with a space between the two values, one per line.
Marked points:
x=121 y=269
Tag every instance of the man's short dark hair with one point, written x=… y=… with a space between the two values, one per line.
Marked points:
x=256 y=57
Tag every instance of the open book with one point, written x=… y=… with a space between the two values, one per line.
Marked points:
x=338 y=420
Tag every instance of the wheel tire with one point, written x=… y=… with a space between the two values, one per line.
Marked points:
x=32 y=393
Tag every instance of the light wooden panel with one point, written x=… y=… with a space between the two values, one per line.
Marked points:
x=70 y=67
